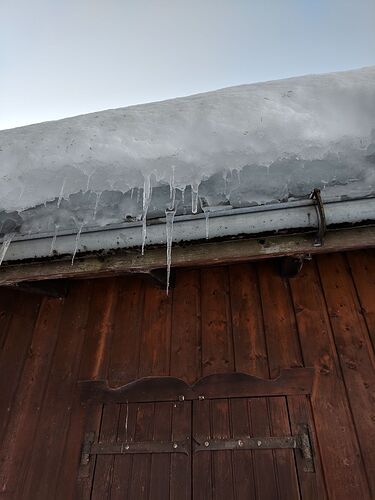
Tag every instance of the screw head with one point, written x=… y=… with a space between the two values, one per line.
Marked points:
x=206 y=443
x=259 y=443
x=181 y=398
x=127 y=447
x=240 y=443
x=175 y=445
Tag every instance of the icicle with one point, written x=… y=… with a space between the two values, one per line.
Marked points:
x=131 y=193
x=239 y=177
x=22 y=192
x=173 y=201
x=88 y=180
x=53 y=243
x=207 y=216
x=226 y=189
x=78 y=237
x=98 y=195
x=172 y=190
x=144 y=232
x=5 y=245
x=61 y=193
x=194 y=197
x=183 y=195
x=169 y=215
x=145 y=205
x=171 y=182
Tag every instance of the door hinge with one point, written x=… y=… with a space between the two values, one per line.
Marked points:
x=91 y=447
x=300 y=441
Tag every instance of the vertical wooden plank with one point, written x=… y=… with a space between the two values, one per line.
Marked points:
x=186 y=323
x=217 y=343
x=217 y=357
x=264 y=467
x=154 y=360
x=156 y=335
x=161 y=462
x=339 y=449
x=180 y=484
x=5 y=316
x=124 y=367
x=311 y=483
x=127 y=332
x=279 y=321
x=356 y=359
x=123 y=464
x=284 y=352
x=100 y=326
x=186 y=351
x=140 y=479
x=251 y=355
x=84 y=475
x=247 y=321
x=93 y=365
x=223 y=486
x=102 y=483
x=19 y=434
x=7 y=297
x=48 y=446
x=202 y=480
x=14 y=352
x=362 y=265
x=287 y=481
x=243 y=463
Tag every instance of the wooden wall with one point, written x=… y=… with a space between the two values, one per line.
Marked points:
x=240 y=317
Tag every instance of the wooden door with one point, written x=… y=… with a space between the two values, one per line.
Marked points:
x=250 y=448
x=181 y=442
x=140 y=451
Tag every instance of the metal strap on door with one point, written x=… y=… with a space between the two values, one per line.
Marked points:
x=188 y=446
x=91 y=447
x=300 y=442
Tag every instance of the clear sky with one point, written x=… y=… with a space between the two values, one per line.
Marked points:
x=61 y=58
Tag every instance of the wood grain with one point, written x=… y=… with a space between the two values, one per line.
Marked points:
x=239 y=318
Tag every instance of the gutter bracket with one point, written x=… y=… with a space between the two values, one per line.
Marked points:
x=322 y=224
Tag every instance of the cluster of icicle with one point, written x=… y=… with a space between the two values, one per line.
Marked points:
x=170 y=213
x=147 y=194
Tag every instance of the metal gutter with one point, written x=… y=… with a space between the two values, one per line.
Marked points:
x=291 y=216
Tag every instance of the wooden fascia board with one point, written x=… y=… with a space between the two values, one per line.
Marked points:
x=193 y=255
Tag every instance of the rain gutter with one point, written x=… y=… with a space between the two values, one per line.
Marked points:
x=301 y=216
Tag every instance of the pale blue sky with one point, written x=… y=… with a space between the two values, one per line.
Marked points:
x=61 y=58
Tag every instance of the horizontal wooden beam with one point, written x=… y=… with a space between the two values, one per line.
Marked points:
x=192 y=255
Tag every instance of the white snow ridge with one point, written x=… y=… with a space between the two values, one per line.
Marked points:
x=240 y=146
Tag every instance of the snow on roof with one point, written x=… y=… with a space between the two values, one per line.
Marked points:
x=235 y=147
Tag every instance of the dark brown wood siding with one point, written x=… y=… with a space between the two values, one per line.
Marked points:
x=241 y=317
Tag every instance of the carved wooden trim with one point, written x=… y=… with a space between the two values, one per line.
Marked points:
x=290 y=382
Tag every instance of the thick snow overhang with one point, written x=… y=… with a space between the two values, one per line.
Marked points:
x=231 y=163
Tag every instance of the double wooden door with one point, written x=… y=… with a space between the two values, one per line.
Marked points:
x=189 y=444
